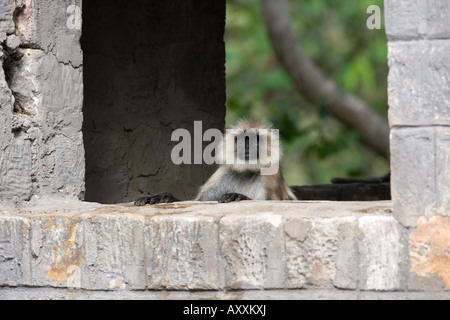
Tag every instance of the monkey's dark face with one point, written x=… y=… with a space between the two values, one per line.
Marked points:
x=247 y=146
x=250 y=146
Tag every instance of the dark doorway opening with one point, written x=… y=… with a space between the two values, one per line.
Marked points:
x=150 y=67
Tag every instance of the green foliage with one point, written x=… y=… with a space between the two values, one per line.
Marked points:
x=334 y=35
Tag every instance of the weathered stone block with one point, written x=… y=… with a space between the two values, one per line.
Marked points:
x=347 y=255
x=6 y=98
x=113 y=252
x=321 y=252
x=413 y=177
x=49 y=120
x=15 y=172
x=6 y=108
x=414 y=19
x=24 y=84
x=14 y=251
x=13 y=42
x=181 y=252
x=57 y=251
x=48 y=28
x=6 y=18
x=438 y=18
x=443 y=171
x=381 y=253
x=296 y=232
x=252 y=251
x=419 y=83
x=406 y=19
x=420 y=163
x=430 y=254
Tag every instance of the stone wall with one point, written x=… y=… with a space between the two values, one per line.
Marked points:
x=419 y=101
x=203 y=246
x=419 y=114
x=41 y=96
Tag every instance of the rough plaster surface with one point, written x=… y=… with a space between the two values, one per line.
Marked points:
x=41 y=98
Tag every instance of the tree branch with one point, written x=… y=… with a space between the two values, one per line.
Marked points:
x=314 y=85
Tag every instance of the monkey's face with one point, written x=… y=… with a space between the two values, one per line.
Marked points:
x=247 y=147
x=250 y=149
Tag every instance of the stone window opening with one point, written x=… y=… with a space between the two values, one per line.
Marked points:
x=152 y=73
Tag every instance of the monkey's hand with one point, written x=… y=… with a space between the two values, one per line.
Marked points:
x=163 y=197
x=230 y=197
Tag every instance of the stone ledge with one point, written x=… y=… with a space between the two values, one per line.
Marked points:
x=299 y=294
x=252 y=245
x=188 y=245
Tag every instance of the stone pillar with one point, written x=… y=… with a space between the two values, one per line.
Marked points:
x=419 y=107
x=41 y=96
x=419 y=114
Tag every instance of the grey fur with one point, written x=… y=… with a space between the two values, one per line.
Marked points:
x=226 y=180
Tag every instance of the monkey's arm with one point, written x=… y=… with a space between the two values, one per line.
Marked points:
x=163 y=197
x=230 y=197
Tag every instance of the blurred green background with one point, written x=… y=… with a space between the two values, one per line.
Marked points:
x=334 y=35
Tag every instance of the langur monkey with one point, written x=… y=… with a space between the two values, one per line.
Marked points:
x=251 y=147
